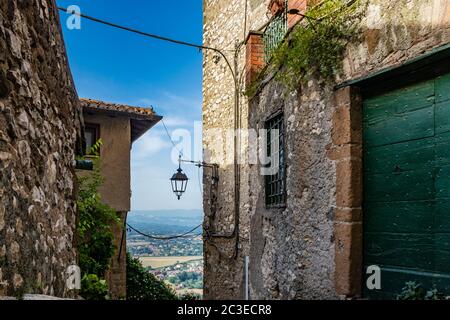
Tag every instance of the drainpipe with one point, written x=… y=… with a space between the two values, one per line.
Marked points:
x=246 y=278
x=237 y=152
x=237 y=126
x=124 y=231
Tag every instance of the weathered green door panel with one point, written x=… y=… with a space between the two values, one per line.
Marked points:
x=400 y=217
x=402 y=186
x=442 y=184
x=442 y=255
x=431 y=216
x=442 y=147
x=404 y=250
x=399 y=101
x=407 y=187
x=443 y=117
x=400 y=157
x=441 y=223
x=443 y=88
x=402 y=127
x=394 y=280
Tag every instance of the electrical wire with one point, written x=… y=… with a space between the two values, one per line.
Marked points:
x=170 y=138
x=151 y=35
x=174 y=41
x=158 y=37
x=155 y=36
x=200 y=187
x=184 y=235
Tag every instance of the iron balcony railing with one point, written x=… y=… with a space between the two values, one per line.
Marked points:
x=275 y=32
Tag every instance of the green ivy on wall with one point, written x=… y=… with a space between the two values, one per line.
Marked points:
x=316 y=46
x=319 y=46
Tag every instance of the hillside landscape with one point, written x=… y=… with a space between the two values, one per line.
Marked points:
x=178 y=261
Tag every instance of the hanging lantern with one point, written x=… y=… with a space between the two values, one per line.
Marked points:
x=179 y=182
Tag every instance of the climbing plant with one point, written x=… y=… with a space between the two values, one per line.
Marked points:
x=416 y=291
x=96 y=240
x=317 y=45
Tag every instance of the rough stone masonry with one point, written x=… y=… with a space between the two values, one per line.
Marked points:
x=295 y=252
x=39 y=130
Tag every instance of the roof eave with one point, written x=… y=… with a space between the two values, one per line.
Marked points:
x=140 y=127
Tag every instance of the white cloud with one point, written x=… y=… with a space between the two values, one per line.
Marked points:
x=152 y=164
x=174 y=122
x=149 y=144
x=151 y=188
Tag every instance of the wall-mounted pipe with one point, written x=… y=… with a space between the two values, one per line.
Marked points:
x=246 y=278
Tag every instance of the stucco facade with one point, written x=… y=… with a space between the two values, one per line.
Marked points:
x=118 y=126
x=311 y=249
x=115 y=190
x=115 y=133
x=224 y=28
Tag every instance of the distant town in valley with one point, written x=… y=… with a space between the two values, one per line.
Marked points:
x=178 y=262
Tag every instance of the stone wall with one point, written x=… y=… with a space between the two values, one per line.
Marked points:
x=292 y=251
x=39 y=128
x=225 y=26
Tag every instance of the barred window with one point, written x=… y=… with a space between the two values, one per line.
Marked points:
x=276 y=180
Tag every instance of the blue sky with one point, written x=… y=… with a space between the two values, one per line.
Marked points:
x=116 y=66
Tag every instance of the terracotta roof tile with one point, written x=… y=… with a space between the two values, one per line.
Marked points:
x=107 y=106
x=142 y=119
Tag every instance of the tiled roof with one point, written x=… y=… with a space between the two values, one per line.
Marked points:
x=142 y=119
x=114 y=107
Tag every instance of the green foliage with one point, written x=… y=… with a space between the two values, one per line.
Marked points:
x=415 y=291
x=96 y=240
x=96 y=245
x=93 y=152
x=95 y=149
x=143 y=286
x=188 y=279
x=318 y=46
x=93 y=288
x=189 y=297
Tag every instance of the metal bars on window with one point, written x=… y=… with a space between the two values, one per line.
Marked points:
x=275 y=32
x=275 y=184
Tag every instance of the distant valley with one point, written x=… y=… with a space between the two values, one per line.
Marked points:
x=178 y=261
x=165 y=222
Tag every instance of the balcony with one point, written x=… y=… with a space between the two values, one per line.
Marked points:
x=275 y=32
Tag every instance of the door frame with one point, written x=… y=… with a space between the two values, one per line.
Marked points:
x=347 y=152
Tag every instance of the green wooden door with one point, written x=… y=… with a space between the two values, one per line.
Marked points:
x=407 y=187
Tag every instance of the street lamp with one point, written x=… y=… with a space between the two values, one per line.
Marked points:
x=179 y=182
x=309 y=18
x=299 y=13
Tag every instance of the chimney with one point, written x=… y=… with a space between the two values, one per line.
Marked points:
x=276 y=6
x=255 y=56
x=299 y=5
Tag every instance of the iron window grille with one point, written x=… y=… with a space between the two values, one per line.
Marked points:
x=275 y=32
x=275 y=184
